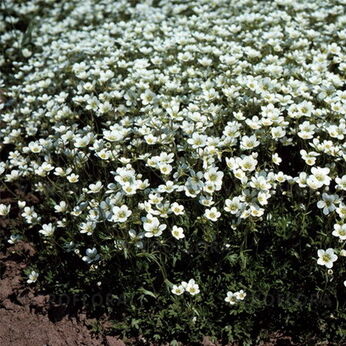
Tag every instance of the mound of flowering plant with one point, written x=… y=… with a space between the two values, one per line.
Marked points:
x=188 y=158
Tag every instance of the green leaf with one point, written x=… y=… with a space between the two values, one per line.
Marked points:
x=146 y=292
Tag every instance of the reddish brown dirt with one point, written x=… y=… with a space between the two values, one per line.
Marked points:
x=26 y=316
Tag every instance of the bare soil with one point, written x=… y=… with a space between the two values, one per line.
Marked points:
x=28 y=318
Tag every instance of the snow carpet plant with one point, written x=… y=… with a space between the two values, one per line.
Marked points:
x=176 y=140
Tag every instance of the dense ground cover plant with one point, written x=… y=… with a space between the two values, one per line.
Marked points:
x=189 y=158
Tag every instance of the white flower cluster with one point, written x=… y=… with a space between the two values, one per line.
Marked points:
x=190 y=287
x=234 y=298
x=138 y=117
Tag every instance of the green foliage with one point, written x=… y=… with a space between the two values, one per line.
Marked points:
x=223 y=121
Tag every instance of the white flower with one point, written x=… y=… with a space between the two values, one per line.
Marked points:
x=341 y=210
x=207 y=201
x=121 y=214
x=231 y=298
x=26 y=52
x=340 y=231
x=81 y=142
x=129 y=189
x=277 y=132
x=301 y=179
x=165 y=168
x=341 y=183
x=214 y=177
x=47 y=230
x=256 y=211
x=35 y=147
x=148 y=97
x=248 y=163
x=306 y=130
x=95 y=188
x=326 y=257
x=313 y=182
x=232 y=163
x=87 y=227
x=177 y=209
x=152 y=226
x=276 y=159
x=320 y=175
x=191 y=287
x=21 y=204
x=260 y=182
x=240 y=295
x=178 y=290
x=177 y=232
x=327 y=204
x=155 y=198
x=61 y=172
x=248 y=143
x=61 y=207
x=150 y=139
x=4 y=209
x=91 y=255
x=32 y=277
x=212 y=214
x=14 y=238
x=263 y=197
x=233 y=205
x=73 y=178
x=309 y=158
x=169 y=187
x=197 y=140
